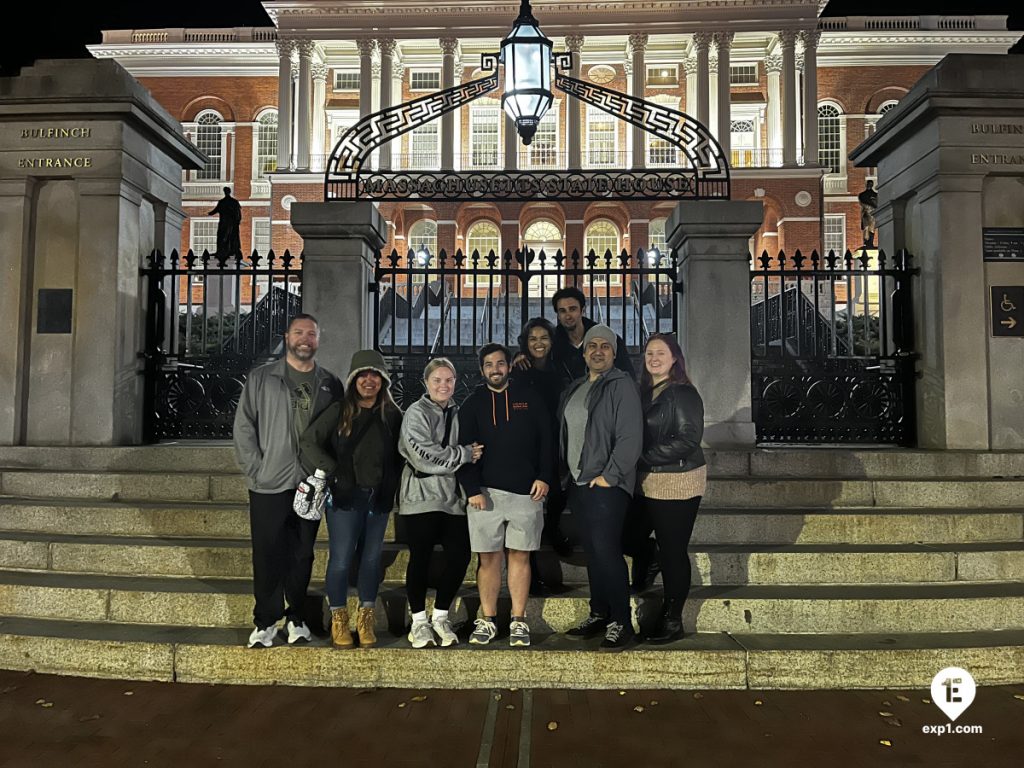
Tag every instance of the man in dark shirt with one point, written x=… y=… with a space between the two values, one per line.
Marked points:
x=506 y=488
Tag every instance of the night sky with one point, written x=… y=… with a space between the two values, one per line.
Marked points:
x=61 y=29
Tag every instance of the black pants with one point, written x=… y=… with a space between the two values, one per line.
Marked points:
x=421 y=532
x=282 y=557
x=602 y=514
x=672 y=521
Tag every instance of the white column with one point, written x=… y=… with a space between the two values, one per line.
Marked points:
x=449 y=45
x=284 y=104
x=511 y=144
x=573 y=128
x=638 y=48
x=773 y=65
x=366 y=48
x=723 y=41
x=799 y=104
x=810 y=38
x=690 y=67
x=460 y=150
x=320 y=147
x=702 y=42
x=386 y=46
x=293 y=162
x=627 y=67
x=397 y=75
x=375 y=106
x=787 y=38
x=713 y=97
x=306 y=49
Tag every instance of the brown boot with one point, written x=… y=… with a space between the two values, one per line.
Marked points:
x=341 y=635
x=364 y=626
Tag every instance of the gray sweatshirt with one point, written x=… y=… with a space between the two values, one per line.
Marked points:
x=435 y=489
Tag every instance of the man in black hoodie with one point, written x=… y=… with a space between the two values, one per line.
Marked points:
x=505 y=489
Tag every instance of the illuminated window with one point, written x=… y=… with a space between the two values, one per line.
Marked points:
x=422 y=241
x=484 y=135
x=424 y=147
x=602 y=237
x=601 y=138
x=543 y=152
x=662 y=75
x=266 y=143
x=209 y=142
x=830 y=144
x=835 y=233
x=424 y=80
x=743 y=74
x=346 y=81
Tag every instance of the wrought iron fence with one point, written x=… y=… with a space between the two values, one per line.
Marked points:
x=832 y=348
x=426 y=306
x=211 y=319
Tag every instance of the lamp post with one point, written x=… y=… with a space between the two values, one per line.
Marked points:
x=526 y=54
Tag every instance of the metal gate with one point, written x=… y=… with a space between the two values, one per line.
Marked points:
x=210 y=320
x=832 y=348
x=427 y=306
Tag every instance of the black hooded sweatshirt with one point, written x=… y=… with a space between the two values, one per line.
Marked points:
x=514 y=427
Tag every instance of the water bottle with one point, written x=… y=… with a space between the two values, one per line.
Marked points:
x=305 y=505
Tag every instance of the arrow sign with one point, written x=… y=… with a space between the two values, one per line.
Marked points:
x=1010 y=323
x=1006 y=306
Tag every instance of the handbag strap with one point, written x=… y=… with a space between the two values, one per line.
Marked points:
x=357 y=436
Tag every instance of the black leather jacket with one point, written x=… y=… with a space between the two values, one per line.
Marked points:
x=673 y=428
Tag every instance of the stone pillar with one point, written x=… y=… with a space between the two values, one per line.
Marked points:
x=810 y=38
x=386 y=46
x=702 y=42
x=320 y=147
x=397 y=76
x=773 y=65
x=627 y=67
x=293 y=161
x=787 y=38
x=690 y=66
x=713 y=102
x=449 y=45
x=638 y=48
x=573 y=127
x=799 y=105
x=711 y=238
x=723 y=41
x=511 y=144
x=375 y=107
x=284 y=104
x=306 y=49
x=366 y=75
x=339 y=240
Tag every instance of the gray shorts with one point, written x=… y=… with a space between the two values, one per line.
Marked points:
x=510 y=521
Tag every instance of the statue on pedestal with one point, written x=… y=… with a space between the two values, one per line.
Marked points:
x=868 y=204
x=230 y=211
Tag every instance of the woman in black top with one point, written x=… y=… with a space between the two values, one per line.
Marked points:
x=672 y=473
x=356 y=442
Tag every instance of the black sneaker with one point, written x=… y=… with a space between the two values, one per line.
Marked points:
x=592 y=626
x=616 y=637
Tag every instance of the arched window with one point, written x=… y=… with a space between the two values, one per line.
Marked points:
x=602 y=237
x=423 y=237
x=830 y=140
x=209 y=142
x=543 y=235
x=483 y=237
x=656 y=238
x=887 y=107
x=266 y=143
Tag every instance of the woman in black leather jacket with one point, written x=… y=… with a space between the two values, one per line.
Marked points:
x=672 y=472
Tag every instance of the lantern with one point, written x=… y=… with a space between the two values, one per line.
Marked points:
x=526 y=54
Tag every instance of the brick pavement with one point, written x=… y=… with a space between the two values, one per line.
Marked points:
x=104 y=722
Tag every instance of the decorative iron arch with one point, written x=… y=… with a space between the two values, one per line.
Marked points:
x=704 y=176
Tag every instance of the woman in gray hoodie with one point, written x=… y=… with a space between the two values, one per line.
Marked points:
x=431 y=504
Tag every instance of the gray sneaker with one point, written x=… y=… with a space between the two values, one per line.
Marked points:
x=443 y=629
x=519 y=634
x=484 y=631
x=421 y=635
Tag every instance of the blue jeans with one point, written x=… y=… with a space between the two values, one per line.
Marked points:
x=349 y=526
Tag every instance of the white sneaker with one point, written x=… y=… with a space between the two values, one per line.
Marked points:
x=262 y=637
x=298 y=633
x=443 y=628
x=484 y=631
x=421 y=635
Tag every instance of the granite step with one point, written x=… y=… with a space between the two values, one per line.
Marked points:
x=830 y=609
x=718 y=525
x=713 y=564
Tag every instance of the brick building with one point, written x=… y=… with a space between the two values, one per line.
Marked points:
x=801 y=91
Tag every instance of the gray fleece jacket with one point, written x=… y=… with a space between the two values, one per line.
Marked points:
x=614 y=435
x=428 y=480
x=265 y=446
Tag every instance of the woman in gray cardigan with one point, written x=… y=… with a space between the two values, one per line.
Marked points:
x=431 y=504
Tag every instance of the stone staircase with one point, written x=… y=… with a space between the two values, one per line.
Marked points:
x=813 y=569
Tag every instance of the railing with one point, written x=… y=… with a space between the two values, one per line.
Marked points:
x=835 y=183
x=206 y=190
x=899 y=23
x=210 y=319
x=317 y=164
x=193 y=35
x=832 y=348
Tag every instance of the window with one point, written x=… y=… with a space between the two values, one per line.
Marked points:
x=743 y=74
x=424 y=147
x=887 y=107
x=422 y=240
x=266 y=143
x=602 y=237
x=830 y=146
x=656 y=236
x=484 y=238
x=543 y=152
x=424 y=80
x=601 y=74
x=202 y=236
x=743 y=141
x=346 y=81
x=543 y=236
x=659 y=151
x=601 y=138
x=662 y=75
x=835 y=233
x=208 y=141
x=261 y=236
x=484 y=136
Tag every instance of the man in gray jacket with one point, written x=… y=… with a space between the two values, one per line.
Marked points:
x=601 y=424
x=279 y=400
